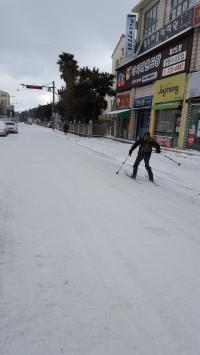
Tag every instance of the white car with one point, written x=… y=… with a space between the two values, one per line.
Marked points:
x=11 y=127
x=3 y=129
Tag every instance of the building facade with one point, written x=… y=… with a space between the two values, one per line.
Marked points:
x=117 y=114
x=160 y=77
x=4 y=103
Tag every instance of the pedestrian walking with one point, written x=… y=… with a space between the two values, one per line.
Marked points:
x=66 y=128
x=146 y=143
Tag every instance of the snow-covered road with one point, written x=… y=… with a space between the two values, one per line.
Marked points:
x=92 y=263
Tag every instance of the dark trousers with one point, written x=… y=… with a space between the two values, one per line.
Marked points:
x=140 y=157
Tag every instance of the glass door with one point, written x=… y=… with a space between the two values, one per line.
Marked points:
x=143 y=122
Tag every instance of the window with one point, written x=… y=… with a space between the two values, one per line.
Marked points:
x=150 y=20
x=167 y=123
x=178 y=7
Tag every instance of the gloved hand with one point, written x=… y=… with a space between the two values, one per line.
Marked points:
x=130 y=152
x=158 y=151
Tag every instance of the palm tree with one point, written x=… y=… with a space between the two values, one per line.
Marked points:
x=69 y=70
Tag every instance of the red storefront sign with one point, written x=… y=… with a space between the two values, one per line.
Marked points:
x=191 y=139
x=164 y=141
x=196 y=19
x=122 y=101
x=191 y=136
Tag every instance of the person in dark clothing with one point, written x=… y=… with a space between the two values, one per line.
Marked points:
x=65 y=127
x=146 y=143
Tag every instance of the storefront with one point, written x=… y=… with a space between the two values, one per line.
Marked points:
x=193 y=137
x=120 y=122
x=161 y=67
x=120 y=116
x=193 y=132
x=142 y=108
x=168 y=100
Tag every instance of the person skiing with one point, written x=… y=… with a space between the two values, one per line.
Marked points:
x=145 y=149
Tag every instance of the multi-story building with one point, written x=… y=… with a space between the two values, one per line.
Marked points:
x=4 y=103
x=118 y=107
x=160 y=78
x=121 y=105
x=118 y=56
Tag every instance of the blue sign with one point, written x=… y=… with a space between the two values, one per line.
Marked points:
x=143 y=102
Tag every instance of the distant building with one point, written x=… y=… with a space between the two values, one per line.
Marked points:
x=4 y=103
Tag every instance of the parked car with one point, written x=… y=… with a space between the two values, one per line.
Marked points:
x=11 y=127
x=3 y=129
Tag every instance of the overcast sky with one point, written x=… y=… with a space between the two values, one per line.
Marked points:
x=35 y=32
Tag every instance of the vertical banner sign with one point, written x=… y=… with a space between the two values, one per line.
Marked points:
x=130 y=35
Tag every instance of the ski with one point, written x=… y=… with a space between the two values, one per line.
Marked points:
x=154 y=183
x=139 y=182
x=130 y=176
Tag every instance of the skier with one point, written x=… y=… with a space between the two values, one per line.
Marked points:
x=145 y=149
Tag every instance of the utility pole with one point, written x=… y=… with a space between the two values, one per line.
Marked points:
x=40 y=87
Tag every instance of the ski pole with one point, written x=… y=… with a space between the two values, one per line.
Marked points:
x=117 y=172
x=171 y=159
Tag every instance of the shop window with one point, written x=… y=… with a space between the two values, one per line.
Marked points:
x=151 y=20
x=165 y=124
x=124 y=127
x=178 y=7
x=168 y=122
x=168 y=125
x=194 y=128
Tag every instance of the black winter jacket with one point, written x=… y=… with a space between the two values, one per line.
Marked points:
x=146 y=146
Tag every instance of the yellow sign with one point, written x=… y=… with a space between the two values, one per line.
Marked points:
x=169 y=89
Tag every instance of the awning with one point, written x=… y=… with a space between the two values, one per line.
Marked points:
x=119 y=114
x=141 y=108
x=167 y=105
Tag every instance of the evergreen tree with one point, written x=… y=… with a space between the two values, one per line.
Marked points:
x=43 y=112
x=83 y=99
